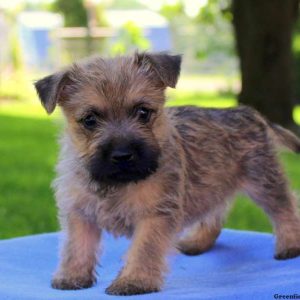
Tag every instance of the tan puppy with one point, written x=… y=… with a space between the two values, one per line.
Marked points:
x=132 y=167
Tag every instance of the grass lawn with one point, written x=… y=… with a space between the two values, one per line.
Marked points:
x=28 y=152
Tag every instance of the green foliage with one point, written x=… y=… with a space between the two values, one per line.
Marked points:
x=171 y=11
x=213 y=10
x=130 y=38
x=209 y=12
x=208 y=36
x=296 y=114
x=16 y=54
x=128 y=4
x=100 y=16
x=37 y=5
x=296 y=63
x=214 y=23
x=74 y=12
x=8 y=88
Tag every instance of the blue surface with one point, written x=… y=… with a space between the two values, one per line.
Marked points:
x=240 y=266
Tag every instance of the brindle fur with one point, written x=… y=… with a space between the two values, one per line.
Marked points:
x=205 y=156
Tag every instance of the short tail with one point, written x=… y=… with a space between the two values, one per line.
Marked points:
x=285 y=137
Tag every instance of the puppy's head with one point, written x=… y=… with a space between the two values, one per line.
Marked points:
x=114 y=112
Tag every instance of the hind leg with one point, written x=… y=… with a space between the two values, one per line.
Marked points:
x=267 y=186
x=200 y=238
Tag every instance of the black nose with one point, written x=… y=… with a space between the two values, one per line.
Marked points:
x=119 y=156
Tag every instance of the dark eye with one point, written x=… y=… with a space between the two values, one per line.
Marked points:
x=143 y=114
x=89 y=121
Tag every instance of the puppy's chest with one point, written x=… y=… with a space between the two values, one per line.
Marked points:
x=112 y=214
x=116 y=212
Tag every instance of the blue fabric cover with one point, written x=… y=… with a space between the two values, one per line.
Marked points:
x=240 y=266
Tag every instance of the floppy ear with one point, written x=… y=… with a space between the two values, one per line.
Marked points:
x=50 y=89
x=166 y=66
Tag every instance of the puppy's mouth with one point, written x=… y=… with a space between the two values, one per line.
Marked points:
x=128 y=174
x=106 y=171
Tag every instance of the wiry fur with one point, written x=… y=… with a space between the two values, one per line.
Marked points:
x=205 y=156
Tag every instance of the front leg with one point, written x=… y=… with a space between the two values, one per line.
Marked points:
x=79 y=255
x=143 y=271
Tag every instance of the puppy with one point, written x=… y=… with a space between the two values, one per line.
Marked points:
x=132 y=167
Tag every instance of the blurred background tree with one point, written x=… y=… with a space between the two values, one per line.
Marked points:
x=262 y=38
x=296 y=61
x=129 y=39
x=214 y=20
x=78 y=15
x=263 y=31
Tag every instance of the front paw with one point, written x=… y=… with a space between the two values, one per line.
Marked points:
x=191 y=248
x=64 y=283
x=287 y=253
x=127 y=286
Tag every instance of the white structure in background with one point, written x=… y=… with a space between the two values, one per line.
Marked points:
x=155 y=27
x=39 y=48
